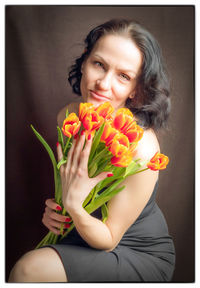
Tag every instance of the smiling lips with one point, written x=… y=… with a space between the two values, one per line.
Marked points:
x=98 y=96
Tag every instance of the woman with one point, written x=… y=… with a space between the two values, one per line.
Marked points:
x=121 y=64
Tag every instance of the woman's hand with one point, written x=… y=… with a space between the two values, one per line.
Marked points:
x=53 y=220
x=76 y=184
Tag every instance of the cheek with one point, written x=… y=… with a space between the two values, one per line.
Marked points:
x=87 y=77
x=122 y=91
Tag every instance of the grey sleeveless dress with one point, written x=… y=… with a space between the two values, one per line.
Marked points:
x=145 y=253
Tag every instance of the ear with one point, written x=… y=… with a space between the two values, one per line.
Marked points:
x=132 y=95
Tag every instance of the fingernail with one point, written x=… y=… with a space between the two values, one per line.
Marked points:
x=82 y=132
x=68 y=219
x=109 y=174
x=59 y=208
x=57 y=144
x=76 y=136
x=89 y=136
x=67 y=225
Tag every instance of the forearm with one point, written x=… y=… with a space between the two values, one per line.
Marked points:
x=91 y=229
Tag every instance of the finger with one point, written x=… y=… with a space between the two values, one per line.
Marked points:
x=77 y=150
x=59 y=151
x=86 y=153
x=53 y=223
x=54 y=226
x=60 y=156
x=68 y=167
x=52 y=204
x=55 y=216
x=102 y=176
x=52 y=229
x=70 y=154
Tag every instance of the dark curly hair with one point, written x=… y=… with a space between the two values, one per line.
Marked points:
x=151 y=103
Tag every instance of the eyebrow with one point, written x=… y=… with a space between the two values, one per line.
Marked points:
x=119 y=69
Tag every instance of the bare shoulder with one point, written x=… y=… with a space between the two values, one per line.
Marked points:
x=147 y=146
x=72 y=107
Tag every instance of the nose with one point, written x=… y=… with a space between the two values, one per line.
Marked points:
x=104 y=83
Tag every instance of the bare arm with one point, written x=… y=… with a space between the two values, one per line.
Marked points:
x=124 y=208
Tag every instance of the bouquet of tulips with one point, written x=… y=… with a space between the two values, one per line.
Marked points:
x=114 y=142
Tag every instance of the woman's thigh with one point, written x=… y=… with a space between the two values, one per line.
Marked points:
x=41 y=265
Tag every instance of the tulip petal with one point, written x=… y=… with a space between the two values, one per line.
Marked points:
x=122 y=161
x=105 y=110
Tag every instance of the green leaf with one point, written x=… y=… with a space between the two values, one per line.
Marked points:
x=89 y=197
x=51 y=155
x=101 y=199
x=104 y=153
x=132 y=168
x=67 y=145
x=101 y=167
x=92 y=170
x=104 y=212
x=60 y=137
x=118 y=172
x=96 y=141
x=102 y=156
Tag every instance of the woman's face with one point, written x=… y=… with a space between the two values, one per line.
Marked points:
x=110 y=71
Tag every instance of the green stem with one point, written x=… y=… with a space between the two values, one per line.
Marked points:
x=94 y=194
x=61 y=162
x=58 y=191
x=88 y=198
x=100 y=155
x=103 y=198
x=66 y=145
x=67 y=232
x=44 y=240
x=141 y=170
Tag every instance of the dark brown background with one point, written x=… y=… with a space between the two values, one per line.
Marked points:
x=41 y=43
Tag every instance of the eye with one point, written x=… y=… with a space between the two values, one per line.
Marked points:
x=99 y=64
x=125 y=77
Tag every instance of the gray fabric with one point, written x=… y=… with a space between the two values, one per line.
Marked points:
x=145 y=253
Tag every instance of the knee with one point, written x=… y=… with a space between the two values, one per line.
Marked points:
x=24 y=270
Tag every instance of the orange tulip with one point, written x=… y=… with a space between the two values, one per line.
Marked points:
x=158 y=162
x=134 y=133
x=122 y=118
x=124 y=121
x=120 y=145
x=122 y=161
x=125 y=111
x=108 y=133
x=84 y=108
x=105 y=110
x=92 y=121
x=71 y=125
